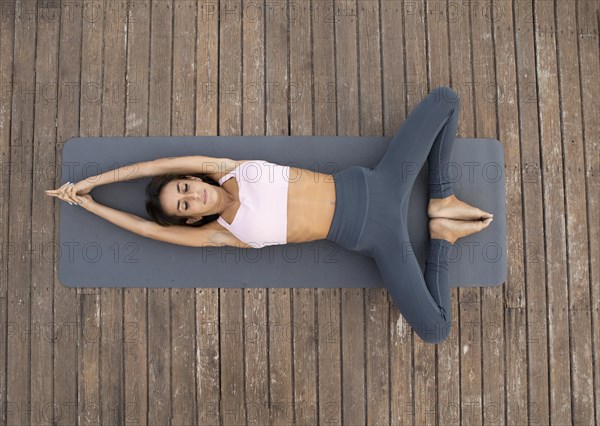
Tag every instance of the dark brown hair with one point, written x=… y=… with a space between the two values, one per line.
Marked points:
x=155 y=210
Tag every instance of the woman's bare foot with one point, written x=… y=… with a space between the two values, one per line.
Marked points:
x=452 y=208
x=451 y=229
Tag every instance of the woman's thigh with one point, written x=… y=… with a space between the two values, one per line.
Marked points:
x=406 y=285
x=410 y=146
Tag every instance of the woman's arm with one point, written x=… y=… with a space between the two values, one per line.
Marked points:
x=125 y=220
x=202 y=236
x=163 y=166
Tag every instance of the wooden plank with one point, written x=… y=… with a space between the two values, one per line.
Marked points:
x=90 y=121
x=254 y=90
x=353 y=312
x=89 y=359
x=208 y=354
x=508 y=135
x=468 y=298
x=207 y=78
x=353 y=356
x=424 y=405
x=231 y=314
x=515 y=310
x=553 y=195
x=447 y=410
x=279 y=300
x=256 y=330
x=329 y=333
x=536 y=313
x=233 y=407
x=135 y=361
x=470 y=340
x=394 y=113
x=492 y=314
x=159 y=359
x=305 y=357
x=376 y=305
x=183 y=389
x=328 y=300
x=256 y=353
x=587 y=34
x=303 y=332
x=7 y=38
x=282 y=405
x=301 y=87
x=111 y=299
x=42 y=238
x=67 y=358
x=19 y=271
x=159 y=300
x=135 y=344
x=369 y=62
x=576 y=215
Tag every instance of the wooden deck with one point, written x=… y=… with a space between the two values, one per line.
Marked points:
x=525 y=352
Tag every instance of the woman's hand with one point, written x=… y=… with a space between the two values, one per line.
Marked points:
x=67 y=193
x=82 y=187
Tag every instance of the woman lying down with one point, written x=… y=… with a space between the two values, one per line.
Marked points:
x=202 y=201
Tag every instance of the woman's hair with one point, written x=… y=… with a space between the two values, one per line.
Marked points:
x=155 y=210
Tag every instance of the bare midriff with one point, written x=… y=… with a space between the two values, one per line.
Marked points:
x=311 y=204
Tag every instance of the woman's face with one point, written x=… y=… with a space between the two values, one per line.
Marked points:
x=187 y=197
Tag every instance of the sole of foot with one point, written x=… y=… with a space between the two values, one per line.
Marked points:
x=452 y=229
x=453 y=208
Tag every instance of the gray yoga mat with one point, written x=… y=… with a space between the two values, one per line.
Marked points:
x=95 y=253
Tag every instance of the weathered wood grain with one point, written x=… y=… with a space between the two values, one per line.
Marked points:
x=304 y=332
x=18 y=316
x=448 y=372
x=492 y=315
x=183 y=306
x=547 y=208
x=526 y=352
x=42 y=237
x=578 y=268
x=587 y=40
x=73 y=349
x=7 y=39
x=325 y=108
x=424 y=367
x=208 y=348
x=135 y=300
x=111 y=299
x=160 y=98
x=393 y=39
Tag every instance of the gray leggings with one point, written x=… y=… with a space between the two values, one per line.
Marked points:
x=372 y=205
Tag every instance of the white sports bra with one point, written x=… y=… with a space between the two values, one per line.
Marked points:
x=261 y=219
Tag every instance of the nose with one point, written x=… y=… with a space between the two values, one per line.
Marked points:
x=191 y=197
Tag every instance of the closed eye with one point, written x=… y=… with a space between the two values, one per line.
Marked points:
x=185 y=204
x=186 y=189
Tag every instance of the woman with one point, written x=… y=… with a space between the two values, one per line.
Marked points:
x=361 y=209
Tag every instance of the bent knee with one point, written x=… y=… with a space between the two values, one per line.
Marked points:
x=446 y=94
x=434 y=332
